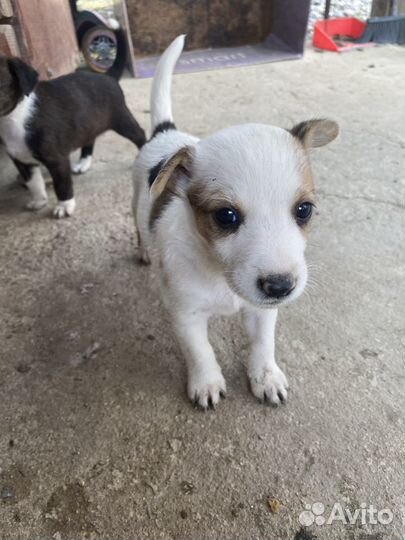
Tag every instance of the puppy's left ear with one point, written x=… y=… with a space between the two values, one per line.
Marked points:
x=25 y=76
x=315 y=133
x=174 y=174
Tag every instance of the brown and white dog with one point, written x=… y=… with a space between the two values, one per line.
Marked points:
x=43 y=122
x=225 y=220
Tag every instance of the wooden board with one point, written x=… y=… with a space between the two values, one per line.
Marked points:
x=48 y=34
x=8 y=41
x=6 y=9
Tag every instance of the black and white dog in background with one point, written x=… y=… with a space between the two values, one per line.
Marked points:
x=43 y=122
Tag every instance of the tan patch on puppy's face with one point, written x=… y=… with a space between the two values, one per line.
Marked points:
x=307 y=178
x=305 y=194
x=204 y=204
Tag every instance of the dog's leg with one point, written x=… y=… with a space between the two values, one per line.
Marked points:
x=267 y=381
x=84 y=163
x=34 y=181
x=63 y=185
x=205 y=385
x=128 y=127
x=141 y=253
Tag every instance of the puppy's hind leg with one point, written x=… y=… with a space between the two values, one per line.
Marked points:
x=84 y=163
x=126 y=126
x=33 y=179
x=141 y=253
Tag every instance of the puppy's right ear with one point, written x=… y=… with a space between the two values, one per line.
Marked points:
x=25 y=76
x=174 y=175
x=316 y=132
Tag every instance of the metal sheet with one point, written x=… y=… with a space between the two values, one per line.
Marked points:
x=207 y=59
x=236 y=32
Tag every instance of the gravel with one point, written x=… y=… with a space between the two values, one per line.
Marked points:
x=339 y=8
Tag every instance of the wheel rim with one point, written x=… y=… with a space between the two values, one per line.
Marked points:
x=102 y=52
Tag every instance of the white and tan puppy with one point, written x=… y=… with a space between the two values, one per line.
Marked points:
x=225 y=219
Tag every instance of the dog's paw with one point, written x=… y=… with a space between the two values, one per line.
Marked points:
x=269 y=385
x=206 y=390
x=82 y=166
x=36 y=204
x=64 y=208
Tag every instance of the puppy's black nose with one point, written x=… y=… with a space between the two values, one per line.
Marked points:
x=276 y=285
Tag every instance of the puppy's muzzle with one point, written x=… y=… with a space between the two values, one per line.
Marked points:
x=277 y=285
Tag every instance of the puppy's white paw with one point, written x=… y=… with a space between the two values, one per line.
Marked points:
x=64 y=208
x=269 y=384
x=206 y=389
x=82 y=166
x=36 y=204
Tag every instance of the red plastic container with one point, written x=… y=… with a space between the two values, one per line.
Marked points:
x=327 y=34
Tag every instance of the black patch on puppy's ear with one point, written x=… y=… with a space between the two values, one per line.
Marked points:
x=154 y=172
x=168 y=182
x=25 y=76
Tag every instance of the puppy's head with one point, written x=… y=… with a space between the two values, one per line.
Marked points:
x=251 y=194
x=16 y=80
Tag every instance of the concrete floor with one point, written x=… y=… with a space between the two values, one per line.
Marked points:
x=97 y=438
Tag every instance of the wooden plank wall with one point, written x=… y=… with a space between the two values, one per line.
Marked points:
x=48 y=31
x=8 y=39
x=41 y=32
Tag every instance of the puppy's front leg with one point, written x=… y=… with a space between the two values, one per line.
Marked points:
x=205 y=385
x=34 y=181
x=63 y=185
x=267 y=381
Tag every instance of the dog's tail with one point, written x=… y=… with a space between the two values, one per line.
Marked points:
x=161 y=103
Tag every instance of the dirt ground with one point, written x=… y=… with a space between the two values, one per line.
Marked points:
x=97 y=438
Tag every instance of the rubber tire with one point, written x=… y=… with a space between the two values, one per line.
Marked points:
x=88 y=37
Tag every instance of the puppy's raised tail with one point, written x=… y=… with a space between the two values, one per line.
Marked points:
x=161 y=103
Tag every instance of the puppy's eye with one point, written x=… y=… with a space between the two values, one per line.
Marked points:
x=303 y=213
x=227 y=218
